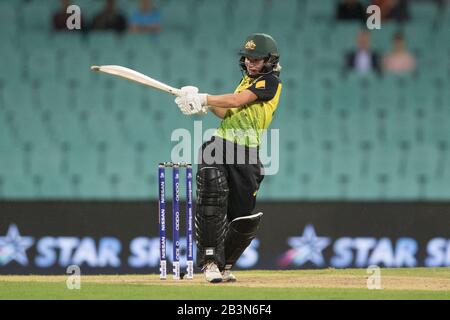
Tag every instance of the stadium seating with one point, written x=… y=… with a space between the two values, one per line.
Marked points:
x=66 y=132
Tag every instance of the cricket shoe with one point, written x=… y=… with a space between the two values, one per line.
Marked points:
x=227 y=276
x=212 y=273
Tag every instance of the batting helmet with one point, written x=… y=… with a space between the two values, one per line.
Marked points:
x=262 y=46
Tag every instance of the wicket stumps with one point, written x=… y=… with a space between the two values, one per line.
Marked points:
x=175 y=220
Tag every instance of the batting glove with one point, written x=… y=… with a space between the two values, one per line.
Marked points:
x=191 y=102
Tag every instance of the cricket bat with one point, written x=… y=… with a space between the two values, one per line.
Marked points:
x=135 y=76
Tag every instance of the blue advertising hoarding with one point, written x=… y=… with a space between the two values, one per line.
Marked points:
x=122 y=237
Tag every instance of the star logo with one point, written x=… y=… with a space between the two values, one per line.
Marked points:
x=306 y=248
x=13 y=247
x=250 y=45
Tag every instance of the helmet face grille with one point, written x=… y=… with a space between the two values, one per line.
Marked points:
x=271 y=64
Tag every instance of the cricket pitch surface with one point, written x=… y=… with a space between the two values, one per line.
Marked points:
x=410 y=283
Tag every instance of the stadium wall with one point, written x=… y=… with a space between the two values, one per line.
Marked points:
x=122 y=237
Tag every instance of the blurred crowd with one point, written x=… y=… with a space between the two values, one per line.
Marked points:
x=144 y=19
x=391 y=10
x=364 y=58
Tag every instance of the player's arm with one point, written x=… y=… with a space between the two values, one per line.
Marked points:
x=219 y=104
x=219 y=112
x=231 y=100
x=192 y=102
x=263 y=90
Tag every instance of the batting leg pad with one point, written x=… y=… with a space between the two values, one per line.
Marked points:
x=211 y=223
x=241 y=232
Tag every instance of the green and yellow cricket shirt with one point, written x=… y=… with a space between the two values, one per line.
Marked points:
x=244 y=125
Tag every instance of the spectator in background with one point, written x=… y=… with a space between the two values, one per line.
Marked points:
x=393 y=10
x=147 y=19
x=351 y=10
x=110 y=18
x=61 y=16
x=363 y=59
x=400 y=60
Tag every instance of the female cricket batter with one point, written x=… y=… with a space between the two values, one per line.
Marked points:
x=229 y=171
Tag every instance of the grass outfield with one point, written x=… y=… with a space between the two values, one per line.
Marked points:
x=418 y=283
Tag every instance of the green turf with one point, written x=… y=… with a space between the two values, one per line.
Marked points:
x=41 y=287
x=20 y=290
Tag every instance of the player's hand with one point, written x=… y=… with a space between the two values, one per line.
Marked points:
x=191 y=102
x=189 y=105
x=204 y=110
x=182 y=102
x=189 y=89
